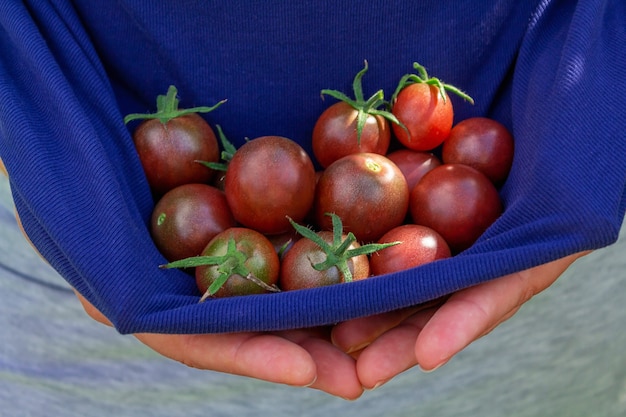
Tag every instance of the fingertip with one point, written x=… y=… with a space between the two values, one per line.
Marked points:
x=279 y=360
x=453 y=327
x=355 y=335
x=429 y=368
x=336 y=371
x=91 y=311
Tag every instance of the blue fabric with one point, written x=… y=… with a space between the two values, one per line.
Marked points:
x=554 y=72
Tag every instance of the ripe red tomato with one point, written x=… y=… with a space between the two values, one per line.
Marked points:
x=413 y=164
x=297 y=270
x=170 y=141
x=335 y=134
x=426 y=115
x=268 y=179
x=168 y=151
x=424 y=110
x=367 y=191
x=418 y=245
x=458 y=202
x=254 y=252
x=186 y=218
x=482 y=143
x=352 y=125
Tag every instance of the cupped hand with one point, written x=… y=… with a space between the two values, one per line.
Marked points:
x=430 y=335
x=303 y=358
x=362 y=353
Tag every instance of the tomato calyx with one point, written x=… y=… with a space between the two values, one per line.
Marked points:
x=423 y=77
x=370 y=107
x=227 y=153
x=338 y=253
x=167 y=108
x=230 y=264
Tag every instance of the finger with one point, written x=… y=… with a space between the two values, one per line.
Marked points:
x=336 y=370
x=270 y=358
x=91 y=311
x=354 y=335
x=30 y=242
x=393 y=352
x=261 y=356
x=3 y=171
x=474 y=312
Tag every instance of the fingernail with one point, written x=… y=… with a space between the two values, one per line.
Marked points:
x=356 y=348
x=376 y=385
x=427 y=371
x=310 y=383
x=349 y=348
x=349 y=399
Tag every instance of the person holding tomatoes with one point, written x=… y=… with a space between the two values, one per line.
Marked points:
x=552 y=72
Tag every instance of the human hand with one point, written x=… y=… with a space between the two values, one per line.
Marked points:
x=363 y=353
x=380 y=346
x=303 y=358
x=429 y=336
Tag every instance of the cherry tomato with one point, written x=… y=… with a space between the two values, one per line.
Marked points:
x=367 y=191
x=168 y=151
x=424 y=110
x=482 y=143
x=458 y=202
x=254 y=253
x=186 y=218
x=170 y=141
x=426 y=114
x=418 y=245
x=413 y=164
x=335 y=134
x=297 y=270
x=352 y=125
x=268 y=179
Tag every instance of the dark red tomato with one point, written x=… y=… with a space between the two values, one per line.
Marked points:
x=413 y=164
x=458 y=202
x=482 y=143
x=367 y=191
x=420 y=245
x=260 y=260
x=297 y=270
x=335 y=134
x=168 y=151
x=426 y=115
x=186 y=218
x=268 y=179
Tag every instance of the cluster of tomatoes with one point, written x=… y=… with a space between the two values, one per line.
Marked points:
x=261 y=219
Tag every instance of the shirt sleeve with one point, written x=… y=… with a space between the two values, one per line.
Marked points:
x=84 y=201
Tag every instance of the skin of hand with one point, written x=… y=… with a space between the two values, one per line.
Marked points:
x=363 y=353
x=303 y=358
x=430 y=335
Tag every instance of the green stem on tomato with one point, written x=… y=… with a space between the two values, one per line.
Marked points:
x=226 y=155
x=423 y=77
x=167 y=108
x=371 y=106
x=338 y=253
x=229 y=264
